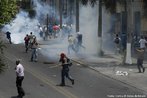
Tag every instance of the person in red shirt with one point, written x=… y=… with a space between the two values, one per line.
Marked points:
x=65 y=62
x=26 y=39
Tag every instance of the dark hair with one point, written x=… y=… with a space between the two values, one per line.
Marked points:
x=142 y=37
x=17 y=62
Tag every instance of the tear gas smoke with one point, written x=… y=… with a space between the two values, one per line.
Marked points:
x=89 y=29
x=23 y=25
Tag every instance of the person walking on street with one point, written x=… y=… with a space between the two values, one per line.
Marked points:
x=8 y=34
x=65 y=62
x=34 y=50
x=19 y=78
x=30 y=39
x=142 y=42
x=140 y=58
x=79 y=41
x=26 y=39
x=71 y=42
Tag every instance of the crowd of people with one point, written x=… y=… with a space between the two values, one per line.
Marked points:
x=140 y=51
x=75 y=43
x=31 y=43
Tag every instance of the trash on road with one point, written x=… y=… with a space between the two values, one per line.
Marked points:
x=122 y=73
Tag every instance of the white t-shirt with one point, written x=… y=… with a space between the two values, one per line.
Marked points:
x=71 y=40
x=142 y=43
x=19 y=70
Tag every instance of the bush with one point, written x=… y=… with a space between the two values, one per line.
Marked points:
x=2 y=64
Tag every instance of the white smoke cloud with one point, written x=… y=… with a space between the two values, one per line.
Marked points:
x=23 y=25
x=89 y=29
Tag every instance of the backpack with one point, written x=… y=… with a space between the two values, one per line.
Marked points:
x=69 y=62
x=116 y=40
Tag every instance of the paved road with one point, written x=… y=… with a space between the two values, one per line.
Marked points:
x=41 y=80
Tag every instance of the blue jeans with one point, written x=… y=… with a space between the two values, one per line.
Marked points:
x=140 y=64
x=34 y=54
x=65 y=73
x=71 y=47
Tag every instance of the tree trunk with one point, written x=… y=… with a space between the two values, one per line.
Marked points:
x=47 y=24
x=100 y=52
x=129 y=31
x=60 y=8
x=77 y=15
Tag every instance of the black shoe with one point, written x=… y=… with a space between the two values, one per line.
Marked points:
x=31 y=60
x=35 y=61
x=61 y=84
x=19 y=96
x=143 y=69
x=73 y=82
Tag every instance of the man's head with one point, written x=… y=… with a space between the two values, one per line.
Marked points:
x=17 y=62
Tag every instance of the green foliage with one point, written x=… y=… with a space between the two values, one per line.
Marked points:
x=8 y=10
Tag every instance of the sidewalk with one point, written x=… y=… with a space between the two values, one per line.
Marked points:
x=111 y=66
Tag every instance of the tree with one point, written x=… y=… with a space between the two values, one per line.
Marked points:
x=27 y=5
x=8 y=10
x=77 y=16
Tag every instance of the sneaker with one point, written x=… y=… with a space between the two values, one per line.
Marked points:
x=19 y=96
x=143 y=69
x=73 y=82
x=61 y=84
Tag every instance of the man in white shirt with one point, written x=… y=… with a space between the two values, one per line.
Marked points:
x=142 y=42
x=19 y=78
x=71 y=42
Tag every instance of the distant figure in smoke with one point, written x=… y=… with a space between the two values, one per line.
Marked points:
x=79 y=41
x=34 y=50
x=26 y=39
x=50 y=30
x=19 y=78
x=44 y=33
x=71 y=41
x=142 y=42
x=117 y=43
x=65 y=62
x=30 y=39
x=41 y=31
x=8 y=34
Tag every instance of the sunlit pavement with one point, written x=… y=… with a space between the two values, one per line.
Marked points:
x=110 y=66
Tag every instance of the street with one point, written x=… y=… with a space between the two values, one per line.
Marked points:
x=42 y=77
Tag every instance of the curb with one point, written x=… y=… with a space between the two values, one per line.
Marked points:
x=126 y=83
